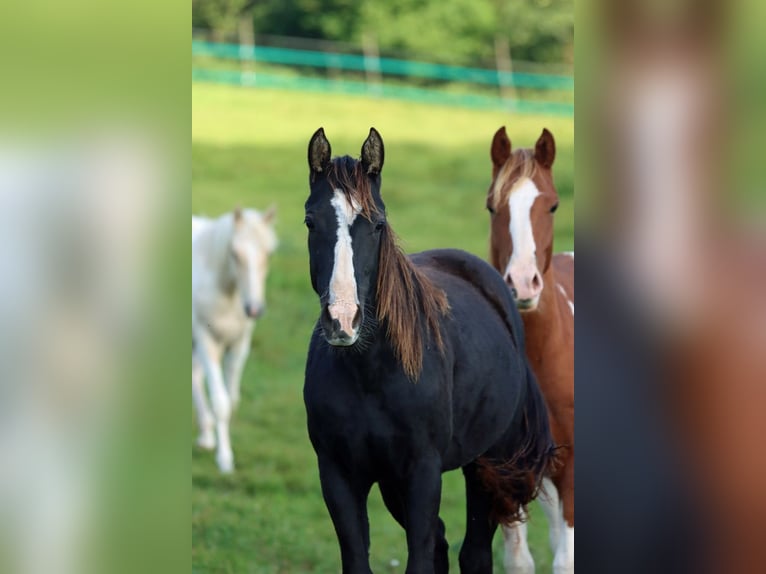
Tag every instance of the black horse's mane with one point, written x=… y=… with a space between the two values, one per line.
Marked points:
x=408 y=302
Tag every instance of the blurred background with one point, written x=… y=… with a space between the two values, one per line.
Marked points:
x=437 y=79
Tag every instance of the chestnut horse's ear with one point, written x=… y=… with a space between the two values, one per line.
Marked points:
x=545 y=149
x=373 y=153
x=319 y=151
x=501 y=148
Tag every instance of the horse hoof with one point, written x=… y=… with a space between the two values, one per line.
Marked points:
x=226 y=466
x=206 y=442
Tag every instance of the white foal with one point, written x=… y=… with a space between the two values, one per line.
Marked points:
x=229 y=264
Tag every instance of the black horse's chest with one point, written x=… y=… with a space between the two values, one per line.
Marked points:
x=376 y=428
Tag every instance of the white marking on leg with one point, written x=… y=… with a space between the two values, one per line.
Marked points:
x=566 y=298
x=344 y=299
x=563 y=561
x=518 y=559
x=549 y=502
x=522 y=266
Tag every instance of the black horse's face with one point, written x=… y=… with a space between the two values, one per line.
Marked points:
x=344 y=235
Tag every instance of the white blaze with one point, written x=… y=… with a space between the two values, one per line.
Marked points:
x=523 y=264
x=343 y=296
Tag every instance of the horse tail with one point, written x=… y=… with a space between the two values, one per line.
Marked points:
x=516 y=481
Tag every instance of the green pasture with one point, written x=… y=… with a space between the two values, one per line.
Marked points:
x=249 y=149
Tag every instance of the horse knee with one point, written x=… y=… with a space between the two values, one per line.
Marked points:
x=517 y=558
x=221 y=406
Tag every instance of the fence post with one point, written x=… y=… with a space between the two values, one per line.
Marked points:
x=372 y=64
x=504 y=69
x=246 y=48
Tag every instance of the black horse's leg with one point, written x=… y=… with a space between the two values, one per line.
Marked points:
x=423 y=496
x=393 y=497
x=347 y=503
x=476 y=552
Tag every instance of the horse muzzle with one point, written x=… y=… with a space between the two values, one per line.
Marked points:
x=340 y=322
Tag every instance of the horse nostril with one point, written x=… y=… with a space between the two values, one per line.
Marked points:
x=357 y=318
x=514 y=294
x=536 y=282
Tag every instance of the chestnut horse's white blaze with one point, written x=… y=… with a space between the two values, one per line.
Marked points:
x=344 y=299
x=522 y=267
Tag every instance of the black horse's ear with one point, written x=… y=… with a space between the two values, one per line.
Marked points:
x=545 y=149
x=500 y=150
x=372 y=153
x=319 y=151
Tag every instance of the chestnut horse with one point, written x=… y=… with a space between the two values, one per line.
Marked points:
x=522 y=200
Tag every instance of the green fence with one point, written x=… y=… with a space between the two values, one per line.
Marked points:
x=391 y=78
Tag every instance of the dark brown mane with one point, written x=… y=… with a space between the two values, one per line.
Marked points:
x=409 y=304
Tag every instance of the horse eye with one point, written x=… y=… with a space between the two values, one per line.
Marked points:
x=555 y=207
x=380 y=225
x=490 y=209
x=309 y=222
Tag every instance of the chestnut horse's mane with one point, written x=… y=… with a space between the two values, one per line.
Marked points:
x=519 y=166
x=408 y=302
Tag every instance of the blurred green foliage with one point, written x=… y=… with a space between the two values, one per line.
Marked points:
x=449 y=31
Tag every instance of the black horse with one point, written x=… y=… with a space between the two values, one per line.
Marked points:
x=416 y=367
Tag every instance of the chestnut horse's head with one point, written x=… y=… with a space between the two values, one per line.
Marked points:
x=522 y=200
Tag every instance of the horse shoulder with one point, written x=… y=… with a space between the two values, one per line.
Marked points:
x=563 y=266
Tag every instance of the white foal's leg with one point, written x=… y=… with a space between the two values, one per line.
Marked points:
x=549 y=501
x=518 y=558
x=210 y=354
x=205 y=418
x=234 y=364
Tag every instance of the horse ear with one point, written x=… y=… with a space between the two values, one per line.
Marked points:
x=319 y=151
x=237 y=214
x=501 y=148
x=545 y=149
x=270 y=214
x=372 y=153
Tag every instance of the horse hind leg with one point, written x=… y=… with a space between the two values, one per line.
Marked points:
x=551 y=505
x=563 y=561
x=518 y=558
x=393 y=498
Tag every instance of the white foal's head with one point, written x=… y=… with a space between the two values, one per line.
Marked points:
x=252 y=241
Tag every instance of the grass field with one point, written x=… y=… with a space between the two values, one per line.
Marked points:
x=249 y=148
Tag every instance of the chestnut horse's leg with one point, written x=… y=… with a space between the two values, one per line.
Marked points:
x=394 y=497
x=346 y=501
x=563 y=561
x=518 y=558
x=476 y=553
